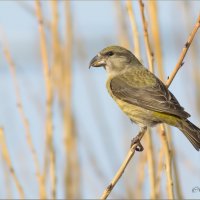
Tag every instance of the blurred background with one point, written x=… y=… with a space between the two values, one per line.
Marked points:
x=62 y=135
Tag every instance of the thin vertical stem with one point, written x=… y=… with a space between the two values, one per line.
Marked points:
x=184 y=51
x=146 y=37
x=24 y=119
x=72 y=175
x=159 y=172
x=151 y=164
x=141 y=175
x=168 y=158
x=56 y=48
x=123 y=33
x=49 y=101
x=150 y=152
x=156 y=37
x=7 y=159
x=174 y=165
x=155 y=31
x=134 y=29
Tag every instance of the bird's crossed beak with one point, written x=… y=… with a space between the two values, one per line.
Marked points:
x=97 y=61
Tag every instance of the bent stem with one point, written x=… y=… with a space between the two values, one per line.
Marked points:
x=183 y=53
x=123 y=166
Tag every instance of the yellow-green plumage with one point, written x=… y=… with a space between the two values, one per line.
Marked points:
x=141 y=95
x=140 y=115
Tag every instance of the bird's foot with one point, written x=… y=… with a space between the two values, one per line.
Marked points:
x=136 y=140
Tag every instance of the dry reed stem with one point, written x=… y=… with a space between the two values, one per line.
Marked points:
x=183 y=53
x=153 y=15
x=49 y=101
x=150 y=155
x=136 y=51
x=151 y=164
x=56 y=69
x=67 y=113
x=153 y=10
x=23 y=117
x=168 y=158
x=7 y=159
x=57 y=57
x=169 y=81
x=159 y=172
x=188 y=10
x=167 y=151
x=156 y=37
x=174 y=165
x=134 y=29
x=123 y=32
x=176 y=177
x=72 y=176
x=8 y=181
x=30 y=9
x=120 y=172
x=146 y=37
x=158 y=54
x=54 y=29
x=141 y=175
x=25 y=121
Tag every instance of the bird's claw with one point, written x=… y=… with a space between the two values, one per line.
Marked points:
x=136 y=140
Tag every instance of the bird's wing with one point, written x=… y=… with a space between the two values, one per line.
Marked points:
x=146 y=91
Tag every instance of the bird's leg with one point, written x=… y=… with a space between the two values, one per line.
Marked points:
x=137 y=138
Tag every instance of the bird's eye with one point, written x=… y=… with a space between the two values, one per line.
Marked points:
x=110 y=53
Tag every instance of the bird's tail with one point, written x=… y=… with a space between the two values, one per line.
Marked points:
x=192 y=133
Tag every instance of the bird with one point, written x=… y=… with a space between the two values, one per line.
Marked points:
x=141 y=95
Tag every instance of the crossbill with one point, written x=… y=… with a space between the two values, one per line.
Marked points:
x=142 y=96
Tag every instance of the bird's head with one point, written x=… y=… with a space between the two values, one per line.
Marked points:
x=114 y=59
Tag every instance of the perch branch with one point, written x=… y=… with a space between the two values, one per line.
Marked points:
x=122 y=168
x=183 y=53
